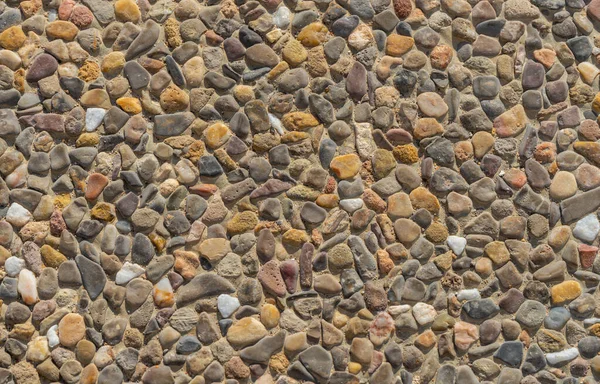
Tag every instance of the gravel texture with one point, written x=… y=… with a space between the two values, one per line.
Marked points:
x=328 y=192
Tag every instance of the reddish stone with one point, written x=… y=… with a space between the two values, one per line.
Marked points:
x=82 y=16
x=515 y=178
x=587 y=254
x=289 y=273
x=593 y=10
x=204 y=190
x=65 y=9
x=403 y=8
x=57 y=223
x=330 y=186
x=95 y=186
x=270 y=277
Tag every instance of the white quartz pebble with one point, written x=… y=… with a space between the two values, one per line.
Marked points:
x=52 y=336
x=351 y=205
x=227 y=305
x=93 y=118
x=558 y=358
x=469 y=294
x=13 y=265
x=128 y=272
x=457 y=244
x=424 y=313
x=17 y=215
x=587 y=228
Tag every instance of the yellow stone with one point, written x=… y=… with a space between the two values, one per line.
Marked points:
x=61 y=201
x=588 y=149
x=354 y=368
x=113 y=63
x=216 y=135
x=174 y=99
x=102 y=211
x=299 y=121
x=12 y=38
x=195 y=151
x=497 y=252
x=295 y=237
x=246 y=331
x=243 y=93
x=61 y=29
x=345 y=166
x=596 y=103
x=436 y=232
x=595 y=329
x=294 y=137
x=277 y=70
x=159 y=242
x=406 y=154
x=172 y=35
x=89 y=71
x=294 y=53
x=398 y=45
x=51 y=257
x=130 y=105
x=565 y=291
x=421 y=198
x=313 y=34
x=269 y=316
x=444 y=261
x=88 y=139
x=327 y=200
x=127 y=10
x=279 y=363
x=242 y=222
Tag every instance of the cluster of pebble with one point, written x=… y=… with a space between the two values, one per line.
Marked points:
x=311 y=191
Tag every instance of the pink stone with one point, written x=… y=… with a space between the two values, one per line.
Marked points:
x=270 y=277
x=465 y=334
x=81 y=16
x=66 y=9
x=289 y=273
x=27 y=287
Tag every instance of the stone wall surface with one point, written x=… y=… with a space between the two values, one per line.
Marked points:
x=280 y=192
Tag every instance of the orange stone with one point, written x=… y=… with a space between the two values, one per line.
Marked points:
x=95 y=185
x=345 y=166
x=71 y=329
x=398 y=45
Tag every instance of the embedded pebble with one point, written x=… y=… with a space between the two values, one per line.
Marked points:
x=325 y=192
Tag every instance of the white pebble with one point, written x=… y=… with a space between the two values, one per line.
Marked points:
x=13 y=266
x=52 y=336
x=587 y=228
x=396 y=310
x=457 y=244
x=351 y=205
x=17 y=215
x=558 y=358
x=276 y=123
x=128 y=272
x=281 y=18
x=93 y=118
x=227 y=305
x=468 y=294
x=424 y=313
x=591 y=321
